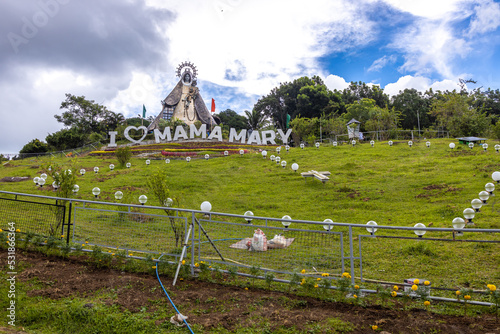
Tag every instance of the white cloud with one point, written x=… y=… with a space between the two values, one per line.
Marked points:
x=431 y=9
x=419 y=83
x=380 y=63
x=487 y=18
x=335 y=82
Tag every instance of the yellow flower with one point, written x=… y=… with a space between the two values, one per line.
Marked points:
x=130 y=254
x=355 y=296
x=318 y=279
x=246 y=288
x=183 y=261
x=301 y=283
x=83 y=245
x=1 y=230
x=374 y=327
x=181 y=279
x=62 y=236
x=196 y=264
x=86 y=242
x=209 y=267
x=414 y=287
x=466 y=297
x=18 y=230
x=458 y=292
x=112 y=254
x=427 y=303
x=416 y=281
x=394 y=293
x=356 y=287
x=427 y=283
x=316 y=285
x=303 y=280
x=202 y=262
x=492 y=288
x=303 y=271
x=154 y=267
x=395 y=288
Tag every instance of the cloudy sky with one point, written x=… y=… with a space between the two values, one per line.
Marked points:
x=123 y=54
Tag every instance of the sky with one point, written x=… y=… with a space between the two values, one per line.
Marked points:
x=124 y=53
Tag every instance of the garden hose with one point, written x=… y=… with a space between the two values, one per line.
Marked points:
x=171 y=302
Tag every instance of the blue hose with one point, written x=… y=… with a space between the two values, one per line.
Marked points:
x=171 y=302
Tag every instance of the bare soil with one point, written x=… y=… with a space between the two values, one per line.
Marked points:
x=213 y=305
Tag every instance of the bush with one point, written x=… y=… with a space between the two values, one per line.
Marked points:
x=123 y=154
x=35 y=146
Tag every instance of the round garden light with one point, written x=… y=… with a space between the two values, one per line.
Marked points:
x=111 y=166
x=428 y=144
x=128 y=165
x=419 y=233
x=278 y=149
x=485 y=147
x=489 y=187
x=286 y=221
x=55 y=185
x=167 y=161
x=497 y=147
x=168 y=202
x=496 y=176
x=483 y=196
x=390 y=143
x=96 y=191
x=317 y=145
x=372 y=143
x=458 y=224
x=226 y=153
x=188 y=159
x=264 y=154
x=469 y=215
x=410 y=143
x=476 y=204
x=471 y=145
x=248 y=216
x=272 y=157
x=68 y=171
x=283 y=163
x=287 y=148
x=82 y=171
x=452 y=145
x=50 y=167
x=295 y=166
x=328 y=225
x=96 y=170
x=372 y=230
x=242 y=152
x=143 y=199
x=207 y=156
x=36 y=179
x=76 y=188
x=206 y=206
x=118 y=195
x=335 y=144
x=41 y=182
x=43 y=176
x=353 y=143
x=278 y=159
x=302 y=145
x=148 y=162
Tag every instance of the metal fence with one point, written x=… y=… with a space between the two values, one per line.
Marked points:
x=57 y=154
x=225 y=240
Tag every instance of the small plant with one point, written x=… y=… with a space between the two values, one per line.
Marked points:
x=295 y=280
x=465 y=294
x=384 y=293
x=343 y=285
x=494 y=297
x=254 y=271
x=233 y=272
x=269 y=279
x=123 y=154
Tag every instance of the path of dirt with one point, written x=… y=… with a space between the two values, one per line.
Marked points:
x=213 y=305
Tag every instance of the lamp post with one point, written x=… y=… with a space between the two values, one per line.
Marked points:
x=143 y=199
x=469 y=215
x=278 y=149
x=82 y=172
x=452 y=145
x=419 y=233
x=96 y=170
x=111 y=166
x=496 y=177
x=490 y=188
x=485 y=147
x=188 y=159
x=410 y=143
x=248 y=216
x=35 y=179
x=128 y=165
x=264 y=154
x=317 y=145
x=372 y=143
x=206 y=206
x=302 y=145
x=242 y=152
x=287 y=148
x=96 y=191
x=148 y=162
x=476 y=204
x=41 y=182
x=372 y=230
x=295 y=166
x=226 y=153
x=283 y=163
x=334 y=144
x=286 y=221
x=390 y=143
x=483 y=196
x=458 y=224
x=272 y=157
x=428 y=144
x=207 y=156
x=167 y=161
x=118 y=195
x=497 y=148
x=353 y=143
x=278 y=159
x=328 y=225
x=471 y=145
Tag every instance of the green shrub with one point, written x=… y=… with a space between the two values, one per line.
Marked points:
x=123 y=154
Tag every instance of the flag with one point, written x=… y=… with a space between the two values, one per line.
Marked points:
x=213 y=105
x=143 y=111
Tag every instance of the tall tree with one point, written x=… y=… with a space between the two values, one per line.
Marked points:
x=360 y=90
x=414 y=108
x=230 y=119
x=255 y=119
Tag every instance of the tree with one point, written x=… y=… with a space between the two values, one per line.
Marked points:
x=230 y=119
x=66 y=139
x=35 y=146
x=360 y=90
x=255 y=119
x=414 y=108
x=87 y=116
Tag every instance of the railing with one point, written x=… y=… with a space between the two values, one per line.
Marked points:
x=225 y=240
x=64 y=153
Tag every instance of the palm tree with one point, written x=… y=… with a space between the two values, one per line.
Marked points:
x=255 y=119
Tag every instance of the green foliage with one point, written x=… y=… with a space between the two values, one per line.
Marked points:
x=255 y=119
x=123 y=154
x=230 y=119
x=269 y=277
x=66 y=139
x=35 y=146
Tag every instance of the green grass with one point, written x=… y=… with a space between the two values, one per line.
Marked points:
x=395 y=186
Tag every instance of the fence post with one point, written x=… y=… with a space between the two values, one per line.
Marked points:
x=351 y=254
x=69 y=221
